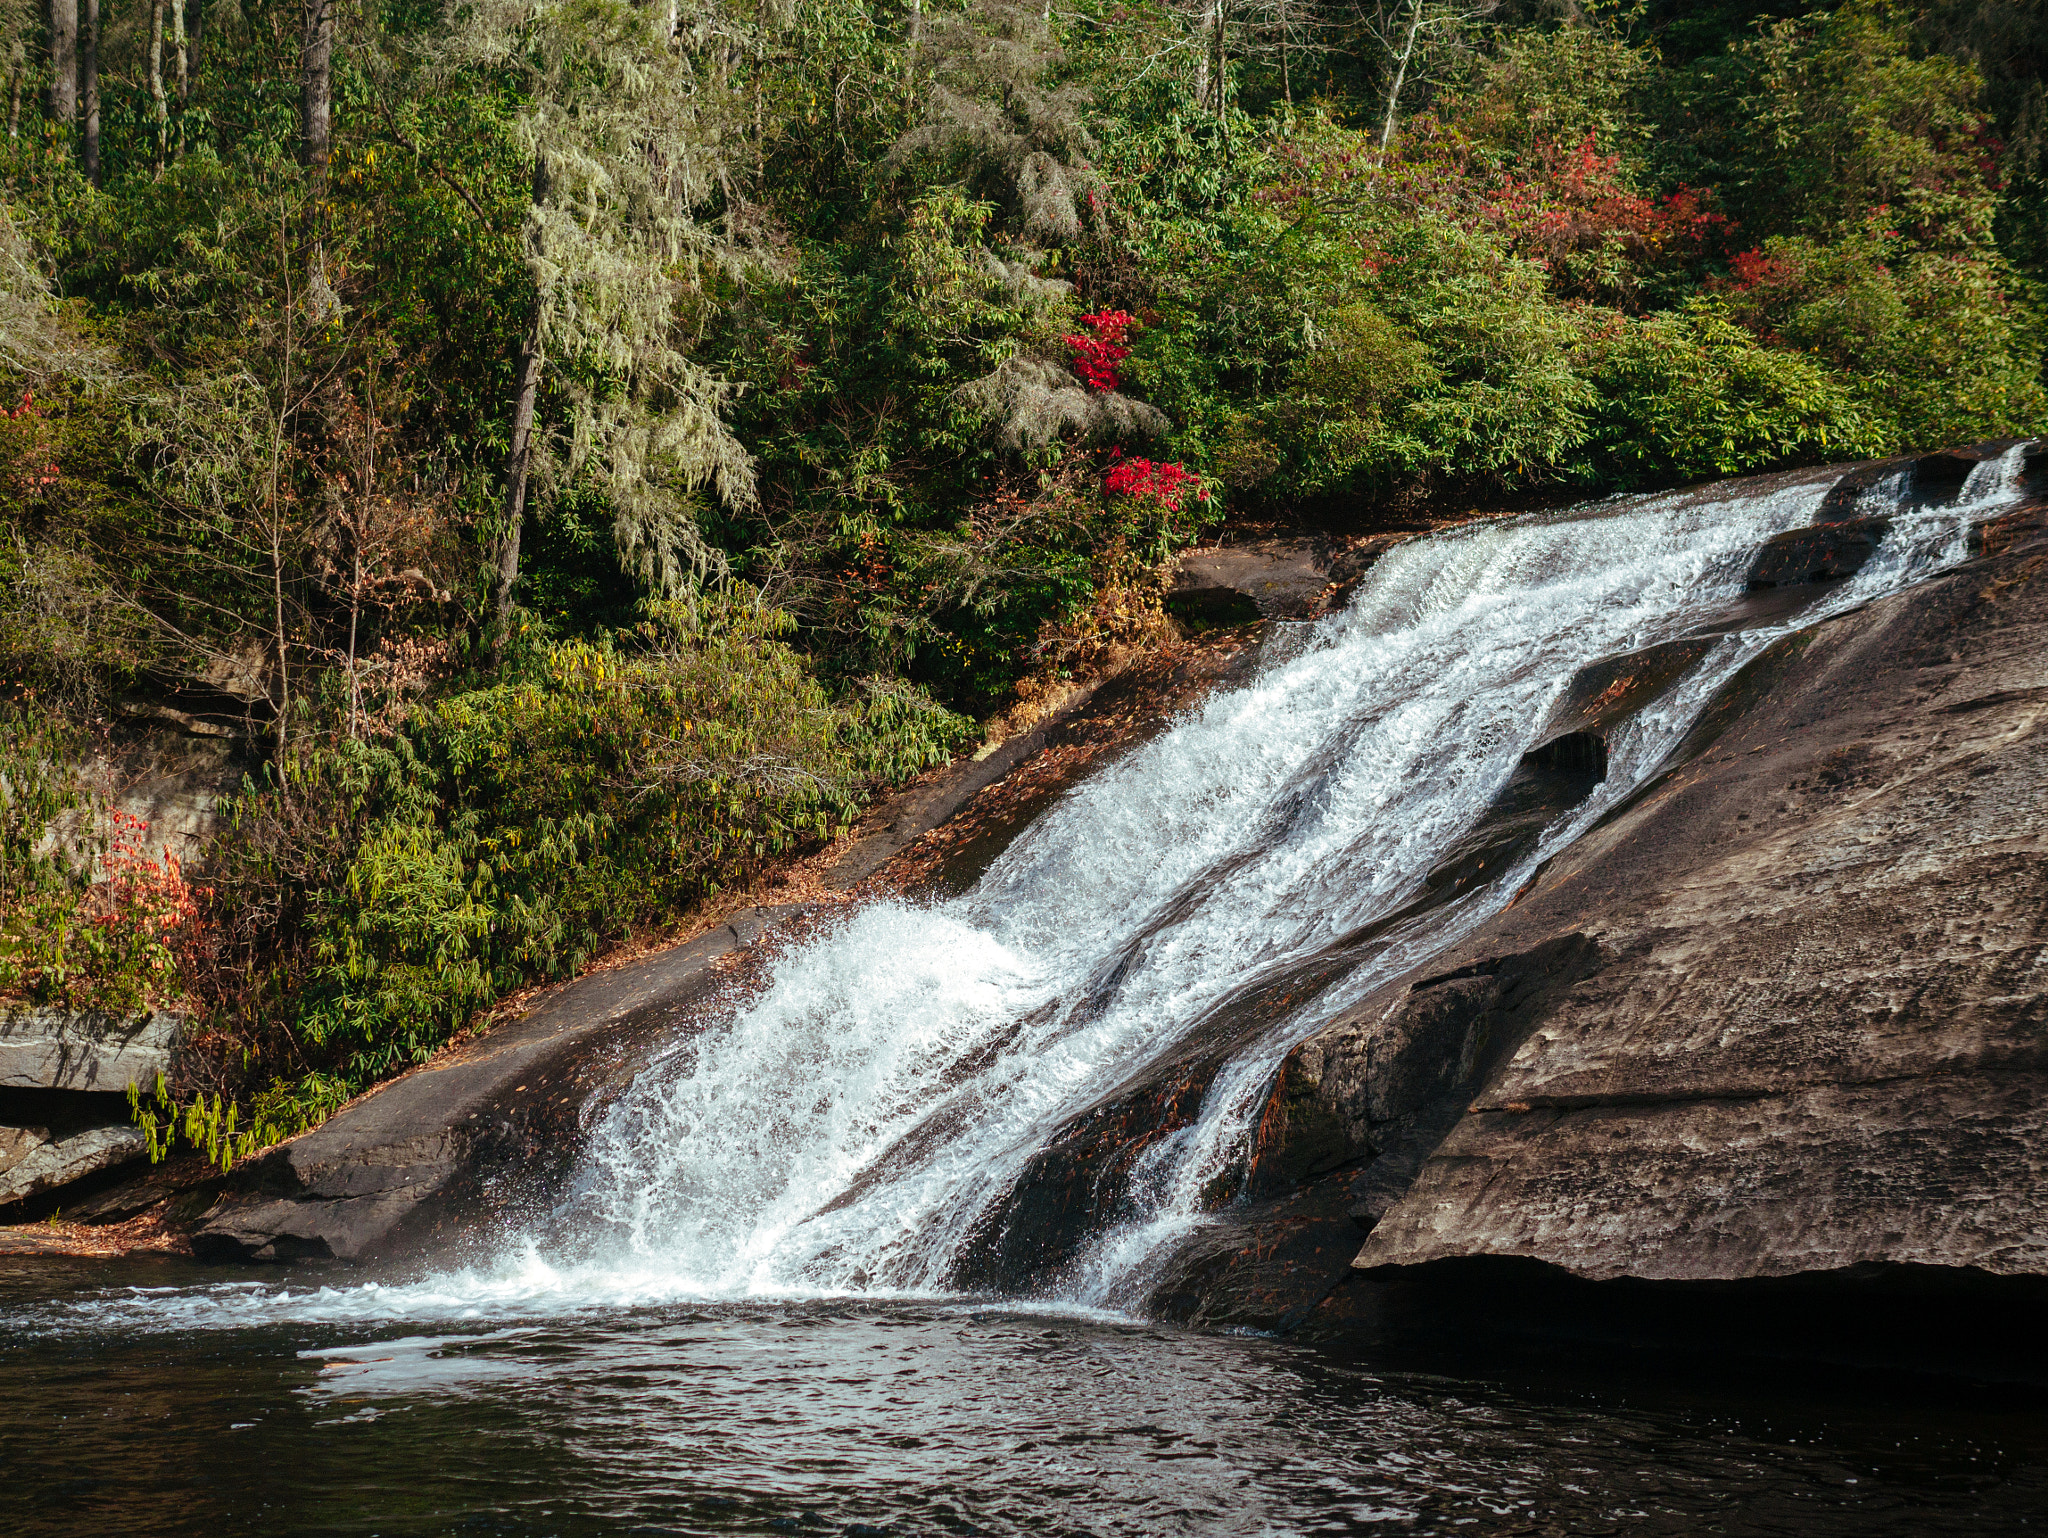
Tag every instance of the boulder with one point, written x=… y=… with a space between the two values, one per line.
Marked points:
x=1283 y=577
x=34 y=1160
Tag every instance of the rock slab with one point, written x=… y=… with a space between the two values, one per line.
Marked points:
x=1817 y=1038
x=38 y=1159
x=47 y=1048
x=432 y=1159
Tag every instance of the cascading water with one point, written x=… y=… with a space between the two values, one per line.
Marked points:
x=877 y=1101
x=848 y=1128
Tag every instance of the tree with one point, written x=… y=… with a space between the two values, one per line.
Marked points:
x=64 y=60
x=993 y=113
x=316 y=112
x=316 y=86
x=2008 y=44
x=89 y=91
x=159 y=107
x=1417 y=35
x=628 y=150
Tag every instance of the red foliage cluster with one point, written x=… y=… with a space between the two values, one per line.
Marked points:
x=146 y=895
x=117 y=945
x=1167 y=484
x=1753 y=269
x=1564 y=205
x=1098 y=351
x=1576 y=204
x=29 y=467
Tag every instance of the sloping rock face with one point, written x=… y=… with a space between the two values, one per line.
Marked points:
x=1784 y=1015
x=436 y=1159
x=1822 y=1035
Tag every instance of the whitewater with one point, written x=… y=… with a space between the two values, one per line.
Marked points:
x=844 y=1129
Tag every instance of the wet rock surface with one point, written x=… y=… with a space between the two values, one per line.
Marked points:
x=431 y=1160
x=1807 y=1037
x=1356 y=1112
x=1828 y=552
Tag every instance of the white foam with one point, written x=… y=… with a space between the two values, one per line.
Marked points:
x=845 y=1132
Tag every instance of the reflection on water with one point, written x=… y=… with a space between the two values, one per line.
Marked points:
x=926 y=1417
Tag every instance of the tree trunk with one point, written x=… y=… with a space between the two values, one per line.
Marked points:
x=1286 y=80
x=158 y=108
x=89 y=88
x=183 y=59
x=14 y=71
x=64 y=61
x=198 y=38
x=284 y=685
x=517 y=465
x=355 y=609
x=1400 y=75
x=910 y=50
x=1221 y=78
x=316 y=111
x=316 y=90
x=1205 y=27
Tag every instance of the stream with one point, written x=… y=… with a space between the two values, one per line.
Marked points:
x=927 y=1417
x=747 y=1315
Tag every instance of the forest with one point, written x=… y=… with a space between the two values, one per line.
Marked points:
x=581 y=452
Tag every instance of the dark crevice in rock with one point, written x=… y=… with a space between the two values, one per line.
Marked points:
x=1578 y=754
x=1937 y=1323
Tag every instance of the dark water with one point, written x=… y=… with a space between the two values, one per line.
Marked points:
x=932 y=1418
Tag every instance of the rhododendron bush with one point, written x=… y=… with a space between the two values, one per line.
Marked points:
x=1099 y=349
x=1166 y=485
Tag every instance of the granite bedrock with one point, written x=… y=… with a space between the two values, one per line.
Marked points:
x=1780 y=1020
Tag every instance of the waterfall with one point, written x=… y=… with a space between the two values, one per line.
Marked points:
x=845 y=1126
x=848 y=1126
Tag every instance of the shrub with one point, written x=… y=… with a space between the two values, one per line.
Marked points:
x=1942 y=346
x=379 y=894
x=89 y=919
x=1692 y=394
